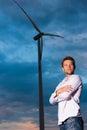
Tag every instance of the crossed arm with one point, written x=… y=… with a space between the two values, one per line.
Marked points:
x=63 y=89
x=67 y=91
x=54 y=97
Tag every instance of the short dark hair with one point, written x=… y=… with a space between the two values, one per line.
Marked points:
x=69 y=58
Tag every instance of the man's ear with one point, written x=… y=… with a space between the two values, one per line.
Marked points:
x=62 y=69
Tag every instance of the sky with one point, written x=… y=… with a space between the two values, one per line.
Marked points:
x=19 y=93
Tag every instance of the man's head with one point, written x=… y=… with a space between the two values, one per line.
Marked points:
x=68 y=65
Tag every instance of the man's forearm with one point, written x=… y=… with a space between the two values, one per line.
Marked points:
x=63 y=89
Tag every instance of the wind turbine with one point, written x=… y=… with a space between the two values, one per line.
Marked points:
x=38 y=37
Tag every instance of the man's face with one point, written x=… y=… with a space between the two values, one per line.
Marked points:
x=68 y=67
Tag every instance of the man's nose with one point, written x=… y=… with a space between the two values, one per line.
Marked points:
x=69 y=66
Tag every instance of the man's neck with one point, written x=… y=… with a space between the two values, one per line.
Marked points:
x=67 y=76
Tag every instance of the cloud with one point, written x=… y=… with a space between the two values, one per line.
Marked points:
x=11 y=52
x=24 y=125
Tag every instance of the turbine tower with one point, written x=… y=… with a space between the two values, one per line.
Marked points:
x=38 y=37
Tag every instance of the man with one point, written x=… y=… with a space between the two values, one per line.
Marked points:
x=67 y=94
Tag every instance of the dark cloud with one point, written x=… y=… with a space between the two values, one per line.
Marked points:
x=18 y=84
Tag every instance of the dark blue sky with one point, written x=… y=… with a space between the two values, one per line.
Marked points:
x=19 y=58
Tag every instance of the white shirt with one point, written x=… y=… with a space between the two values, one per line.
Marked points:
x=68 y=102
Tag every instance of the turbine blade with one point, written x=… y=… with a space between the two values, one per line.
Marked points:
x=55 y=35
x=29 y=18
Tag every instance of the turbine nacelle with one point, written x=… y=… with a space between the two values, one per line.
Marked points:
x=38 y=36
